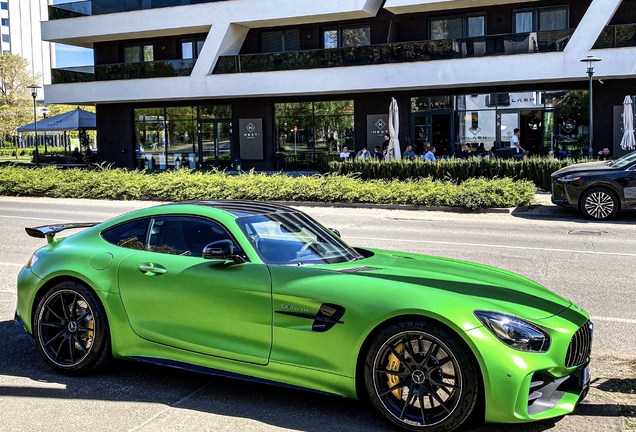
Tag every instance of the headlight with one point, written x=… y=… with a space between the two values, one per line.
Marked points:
x=514 y=332
x=34 y=258
x=569 y=179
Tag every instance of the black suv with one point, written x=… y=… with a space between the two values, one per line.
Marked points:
x=598 y=189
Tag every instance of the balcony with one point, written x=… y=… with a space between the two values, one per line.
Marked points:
x=482 y=46
x=123 y=71
x=617 y=36
x=101 y=7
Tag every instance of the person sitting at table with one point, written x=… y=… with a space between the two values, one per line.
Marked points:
x=466 y=152
x=344 y=154
x=409 y=153
x=364 y=154
x=430 y=155
x=76 y=155
x=377 y=153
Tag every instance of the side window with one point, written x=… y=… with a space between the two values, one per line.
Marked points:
x=131 y=235
x=184 y=235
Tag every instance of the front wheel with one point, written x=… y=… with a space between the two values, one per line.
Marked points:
x=421 y=377
x=599 y=204
x=71 y=330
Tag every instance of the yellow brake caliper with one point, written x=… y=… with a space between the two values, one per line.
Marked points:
x=394 y=365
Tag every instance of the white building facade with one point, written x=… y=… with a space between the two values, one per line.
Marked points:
x=286 y=85
x=21 y=35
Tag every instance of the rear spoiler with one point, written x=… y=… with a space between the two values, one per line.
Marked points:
x=49 y=231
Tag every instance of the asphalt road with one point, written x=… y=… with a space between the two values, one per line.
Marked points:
x=590 y=263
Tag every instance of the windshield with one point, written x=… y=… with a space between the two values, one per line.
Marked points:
x=294 y=238
x=624 y=161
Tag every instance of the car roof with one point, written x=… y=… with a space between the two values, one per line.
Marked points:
x=241 y=208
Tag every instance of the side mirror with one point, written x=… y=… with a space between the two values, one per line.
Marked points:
x=335 y=231
x=221 y=250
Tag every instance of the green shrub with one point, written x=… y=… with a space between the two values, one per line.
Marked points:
x=183 y=184
x=534 y=169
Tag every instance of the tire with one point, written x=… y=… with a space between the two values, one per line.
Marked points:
x=421 y=377
x=71 y=330
x=599 y=204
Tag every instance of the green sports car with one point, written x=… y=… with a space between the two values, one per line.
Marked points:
x=263 y=292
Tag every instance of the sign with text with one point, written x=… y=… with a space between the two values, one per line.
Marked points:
x=377 y=127
x=251 y=139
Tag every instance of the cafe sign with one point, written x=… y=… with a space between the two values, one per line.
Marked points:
x=251 y=139
x=377 y=127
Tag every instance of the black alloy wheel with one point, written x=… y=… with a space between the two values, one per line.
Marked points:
x=70 y=329
x=599 y=204
x=421 y=377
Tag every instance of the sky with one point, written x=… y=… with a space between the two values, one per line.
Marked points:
x=69 y=56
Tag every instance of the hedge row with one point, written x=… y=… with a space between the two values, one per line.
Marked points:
x=106 y=183
x=534 y=169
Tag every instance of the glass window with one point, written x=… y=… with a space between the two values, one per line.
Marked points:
x=215 y=112
x=4 y=6
x=148 y=53
x=138 y=53
x=187 y=50
x=476 y=127
x=476 y=26
x=356 y=36
x=5 y=22
x=280 y=41
x=6 y=38
x=524 y=22
x=131 y=54
x=425 y=103
x=130 y=235
x=330 y=39
x=347 y=36
x=307 y=131
x=191 y=48
x=457 y=27
x=183 y=235
x=540 y=19
x=294 y=238
x=553 y=19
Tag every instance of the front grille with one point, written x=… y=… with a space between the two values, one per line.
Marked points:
x=580 y=346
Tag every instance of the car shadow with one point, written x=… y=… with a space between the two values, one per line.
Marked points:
x=552 y=212
x=143 y=383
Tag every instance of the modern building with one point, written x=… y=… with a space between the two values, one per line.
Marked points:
x=280 y=84
x=21 y=35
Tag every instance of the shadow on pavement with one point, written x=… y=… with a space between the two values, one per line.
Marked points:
x=552 y=212
x=137 y=382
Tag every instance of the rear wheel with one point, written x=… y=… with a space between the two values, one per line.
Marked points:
x=421 y=377
x=599 y=204
x=71 y=330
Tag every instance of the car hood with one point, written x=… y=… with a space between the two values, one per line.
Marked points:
x=582 y=168
x=484 y=286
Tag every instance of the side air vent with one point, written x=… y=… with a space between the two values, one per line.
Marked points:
x=357 y=269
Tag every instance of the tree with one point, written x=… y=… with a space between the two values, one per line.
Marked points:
x=16 y=103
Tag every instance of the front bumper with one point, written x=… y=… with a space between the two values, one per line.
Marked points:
x=563 y=196
x=522 y=386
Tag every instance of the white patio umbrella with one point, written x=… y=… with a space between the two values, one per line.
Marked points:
x=627 y=143
x=393 y=150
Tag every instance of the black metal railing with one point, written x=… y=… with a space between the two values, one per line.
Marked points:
x=507 y=44
x=122 y=71
x=617 y=36
x=101 y=7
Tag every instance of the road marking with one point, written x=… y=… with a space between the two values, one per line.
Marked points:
x=11 y=264
x=494 y=246
x=618 y=320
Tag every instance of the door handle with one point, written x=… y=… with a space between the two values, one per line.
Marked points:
x=151 y=269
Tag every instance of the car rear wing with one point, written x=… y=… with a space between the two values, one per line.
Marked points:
x=49 y=231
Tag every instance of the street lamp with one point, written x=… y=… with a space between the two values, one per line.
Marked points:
x=45 y=112
x=590 y=60
x=34 y=92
